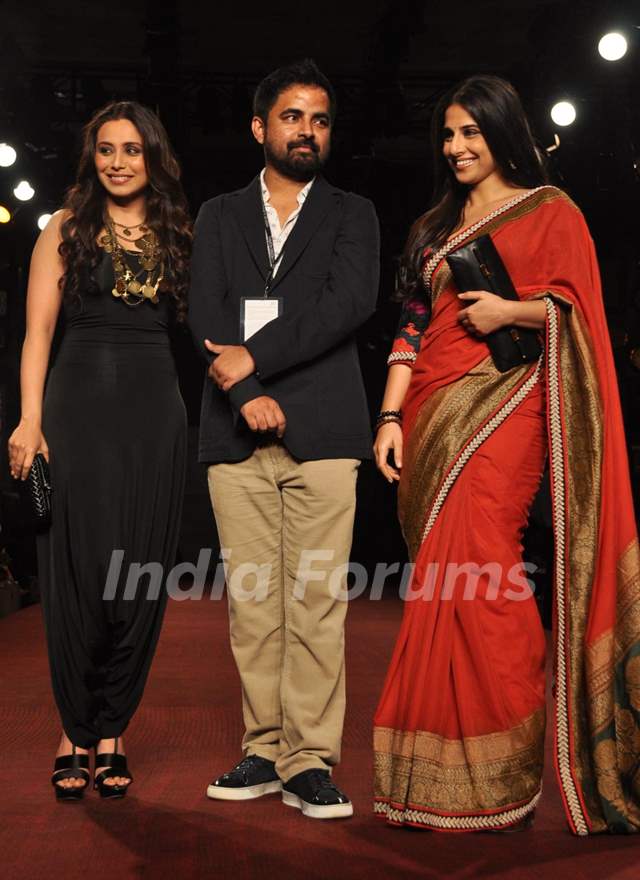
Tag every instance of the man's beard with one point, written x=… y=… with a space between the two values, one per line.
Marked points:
x=302 y=167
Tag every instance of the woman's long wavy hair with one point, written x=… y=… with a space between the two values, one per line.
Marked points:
x=167 y=213
x=496 y=108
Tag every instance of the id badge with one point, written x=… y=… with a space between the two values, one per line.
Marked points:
x=256 y=312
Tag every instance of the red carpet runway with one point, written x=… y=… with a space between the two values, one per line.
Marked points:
x=187 y=730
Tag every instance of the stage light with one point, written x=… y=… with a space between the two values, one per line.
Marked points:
x=563 y=113
x=7 y=155
x=5 y=214
x=43 y=219
x=612 y=47
x=24 y=191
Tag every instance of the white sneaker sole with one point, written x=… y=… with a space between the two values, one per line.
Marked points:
x=331 y=811
x=220 y=793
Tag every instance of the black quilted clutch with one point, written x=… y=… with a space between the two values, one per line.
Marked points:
x=39 y=491
x=478 y=266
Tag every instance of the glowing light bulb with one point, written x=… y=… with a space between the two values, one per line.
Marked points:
x=563 y=113
x=613 y=47
x=43 y=219
x=5 y=214
x=24 y=191
x=7 y=155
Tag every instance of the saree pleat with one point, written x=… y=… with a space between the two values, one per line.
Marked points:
x=459 y=729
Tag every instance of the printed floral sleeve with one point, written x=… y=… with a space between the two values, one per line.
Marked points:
x=413 y=321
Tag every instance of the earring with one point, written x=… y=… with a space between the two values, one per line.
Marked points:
x=512 y=165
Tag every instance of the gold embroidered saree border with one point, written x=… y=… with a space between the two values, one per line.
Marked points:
x=421 y=818
x=575 y=394
x=444 y=426
x=474 y=782
x=564 y=730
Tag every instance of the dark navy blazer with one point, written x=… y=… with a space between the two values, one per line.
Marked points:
x=306 y=359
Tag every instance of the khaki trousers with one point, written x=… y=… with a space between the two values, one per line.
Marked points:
x=286 y=527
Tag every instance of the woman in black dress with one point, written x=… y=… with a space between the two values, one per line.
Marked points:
x=112 y=422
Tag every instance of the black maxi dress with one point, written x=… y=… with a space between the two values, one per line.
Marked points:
x=115 y=423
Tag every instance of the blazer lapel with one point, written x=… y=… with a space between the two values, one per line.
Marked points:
x=317 y=204
x=249 y=213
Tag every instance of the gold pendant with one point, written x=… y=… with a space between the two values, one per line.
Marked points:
x=148 y=264
x=115 y=292
x=134 y=287
x=132 y=302
x=126 y=231
x=121 y=286
x=148 y=291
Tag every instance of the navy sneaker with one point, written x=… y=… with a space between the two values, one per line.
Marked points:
x=313 y=792
x=251 y=778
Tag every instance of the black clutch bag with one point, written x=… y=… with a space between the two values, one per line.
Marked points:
x=25 y=505
x=478 y=266
x=39 y=492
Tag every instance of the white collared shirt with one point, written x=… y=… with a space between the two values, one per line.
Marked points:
x=281 y=233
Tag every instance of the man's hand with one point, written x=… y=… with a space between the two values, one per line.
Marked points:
x=232 y=364
x=264 y=414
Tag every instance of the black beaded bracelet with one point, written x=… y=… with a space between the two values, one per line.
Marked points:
x=389 y=412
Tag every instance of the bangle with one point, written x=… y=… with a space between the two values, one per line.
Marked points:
x=389 y=412
x=386 y=422
x=388 y=418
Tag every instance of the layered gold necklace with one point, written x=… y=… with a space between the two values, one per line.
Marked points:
x=130 y=285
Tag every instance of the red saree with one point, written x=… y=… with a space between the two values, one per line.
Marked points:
x=459 y=730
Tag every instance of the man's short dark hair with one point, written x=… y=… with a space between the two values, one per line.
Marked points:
x=304 y=73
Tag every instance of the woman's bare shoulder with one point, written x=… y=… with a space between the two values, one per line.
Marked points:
x=50 y=238
x=58 y=219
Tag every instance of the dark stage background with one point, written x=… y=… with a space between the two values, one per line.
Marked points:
x=197 y=65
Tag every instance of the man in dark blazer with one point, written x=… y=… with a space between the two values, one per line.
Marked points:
x=283 y=274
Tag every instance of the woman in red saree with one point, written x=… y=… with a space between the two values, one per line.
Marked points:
x=459 y=730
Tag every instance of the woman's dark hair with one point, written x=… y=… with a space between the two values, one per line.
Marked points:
x=496 y=107
x=305 y=73
x=167 y=210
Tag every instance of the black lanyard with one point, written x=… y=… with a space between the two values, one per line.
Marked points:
x=274 y=261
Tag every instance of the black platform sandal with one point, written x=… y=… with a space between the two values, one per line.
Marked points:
x=116 y=766
x=71 y=766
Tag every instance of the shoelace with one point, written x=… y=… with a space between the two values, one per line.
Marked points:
x=319 y=778
x=247 y=763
